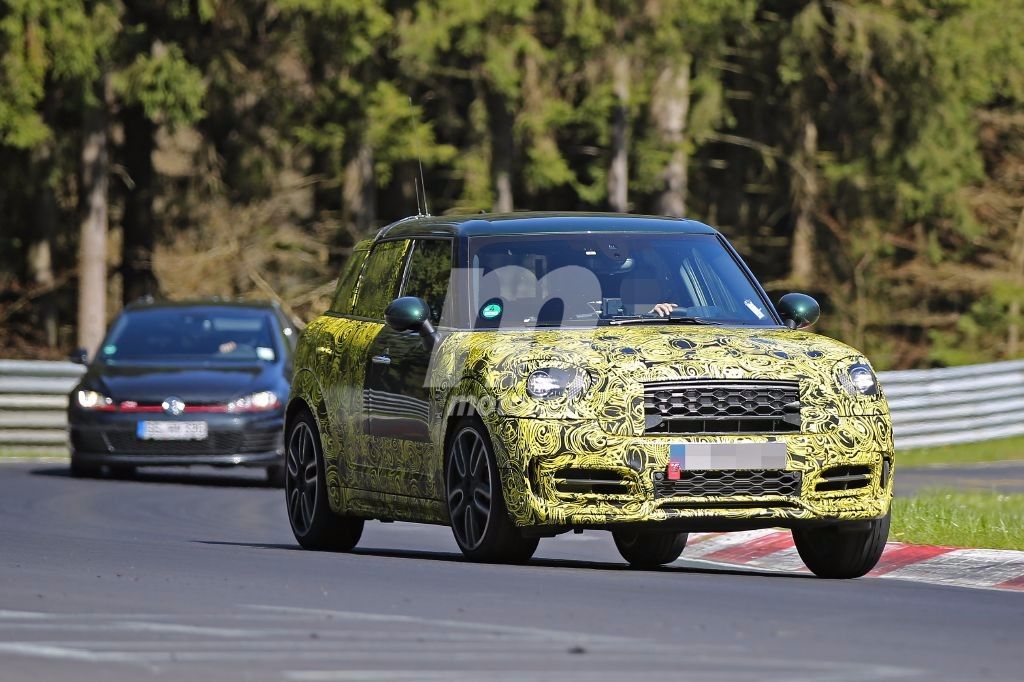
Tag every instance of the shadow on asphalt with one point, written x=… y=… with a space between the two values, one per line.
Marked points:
x=163 y=476
x=451 y=557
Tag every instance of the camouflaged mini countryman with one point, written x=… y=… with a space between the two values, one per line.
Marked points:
x=525 y=375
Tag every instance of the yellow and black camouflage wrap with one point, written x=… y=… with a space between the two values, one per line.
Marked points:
x=484 y=373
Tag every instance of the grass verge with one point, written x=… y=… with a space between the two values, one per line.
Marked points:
x=24 y=452
x=966 y=453
x=960 y=519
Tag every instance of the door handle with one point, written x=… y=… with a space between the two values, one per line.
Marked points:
x=381 y=360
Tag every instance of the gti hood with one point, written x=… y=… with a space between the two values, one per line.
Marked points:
x=202 y=383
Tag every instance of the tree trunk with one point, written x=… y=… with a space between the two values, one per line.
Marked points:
x=40 y=250
x=92 y=257
x=501 y=124
x=805 y=197
x=138 y=223
x=360 y=191
x=670 y=106
x=618 y=173
x=1017 y=256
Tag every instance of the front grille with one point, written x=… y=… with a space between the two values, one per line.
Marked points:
x=730 y=483
x=602 y=481
x=722 y=406
x=125 y=442
x=849 y=477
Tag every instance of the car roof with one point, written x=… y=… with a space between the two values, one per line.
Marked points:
x=527 y=223
x=151 y=304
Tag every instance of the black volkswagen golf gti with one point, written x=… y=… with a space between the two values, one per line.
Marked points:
x=184 y=383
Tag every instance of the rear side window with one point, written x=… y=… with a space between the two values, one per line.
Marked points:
x=379 y=284
x=346 y=290
x=429 y=273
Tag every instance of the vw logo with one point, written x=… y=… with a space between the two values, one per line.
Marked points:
x=173 y=406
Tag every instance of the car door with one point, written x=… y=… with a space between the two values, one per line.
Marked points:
x=397 y=397
x=358 y=319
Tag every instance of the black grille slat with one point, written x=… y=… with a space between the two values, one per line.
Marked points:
x=722 y=406
x=851 y=477
x=731 y=483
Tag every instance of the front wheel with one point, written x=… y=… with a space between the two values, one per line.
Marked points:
x=313 y=523
x=649 y=549
x=476 y=504
x=842 y=550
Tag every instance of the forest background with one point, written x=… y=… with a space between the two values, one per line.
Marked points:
x=867 y=152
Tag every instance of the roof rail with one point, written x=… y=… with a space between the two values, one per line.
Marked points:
x=384 y=230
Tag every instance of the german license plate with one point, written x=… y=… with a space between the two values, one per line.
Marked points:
x=705 y=456
x=172 y=430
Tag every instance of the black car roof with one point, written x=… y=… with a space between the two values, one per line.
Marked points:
x=151 y=304
x=540 y=223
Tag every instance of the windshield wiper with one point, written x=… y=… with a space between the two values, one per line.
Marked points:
x=655 y=319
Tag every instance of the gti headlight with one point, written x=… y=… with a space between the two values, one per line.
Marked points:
x=556 y=382
x=91 y=400
x=859 y=379
x=255 y=402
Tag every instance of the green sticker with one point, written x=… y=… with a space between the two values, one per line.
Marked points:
x=109 y=350
x=490 y=311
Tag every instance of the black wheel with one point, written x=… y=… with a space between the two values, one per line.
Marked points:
x=275 y=475
x=842 y=550
x=476 y=504
x=313 y=523
x=80 y=469
x=649 y=549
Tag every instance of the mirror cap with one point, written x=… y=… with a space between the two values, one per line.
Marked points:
x=79 y=356
x=407 y=312
x=798 y=310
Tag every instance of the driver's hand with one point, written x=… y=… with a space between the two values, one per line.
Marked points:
x=663 y=309
x=227 y=347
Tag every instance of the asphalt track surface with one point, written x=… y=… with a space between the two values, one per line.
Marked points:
x=1004 y=477
x=196 y=577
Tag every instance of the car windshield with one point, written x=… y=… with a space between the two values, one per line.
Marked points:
x=207 y=333
x=610 y=278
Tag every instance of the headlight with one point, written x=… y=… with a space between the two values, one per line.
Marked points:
x=91 y=400
x=555 y=382
x=255 y=402
x=859 y=379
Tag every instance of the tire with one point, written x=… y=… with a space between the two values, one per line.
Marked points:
x=313 y=523
x=842 y=551
x=276 y=475
x=476 y=504
x=80 y=469
x=649 y=549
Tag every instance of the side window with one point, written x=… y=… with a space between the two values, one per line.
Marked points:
x=342 y=302
x=429 y=273
x=379 y=283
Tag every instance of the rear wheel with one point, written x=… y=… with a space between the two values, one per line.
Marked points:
x=476 y=504
x=313 y=523
x=649 y=549
x=842 y=550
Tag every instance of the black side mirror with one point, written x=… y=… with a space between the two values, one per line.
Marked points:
x=79 y=356
x=798 y=310
x=410 y=313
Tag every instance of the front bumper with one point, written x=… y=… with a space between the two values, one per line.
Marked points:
x=255 y=439
x=572 y=474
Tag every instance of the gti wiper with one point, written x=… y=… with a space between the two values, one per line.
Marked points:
x=652 y=320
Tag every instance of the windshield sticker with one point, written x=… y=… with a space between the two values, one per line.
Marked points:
x=110 y=349
x=490 y=311
x=754 y=309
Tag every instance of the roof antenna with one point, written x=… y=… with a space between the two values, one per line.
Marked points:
x=423 y=182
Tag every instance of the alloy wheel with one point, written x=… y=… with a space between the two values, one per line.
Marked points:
x=469 y=487
x=301 y=478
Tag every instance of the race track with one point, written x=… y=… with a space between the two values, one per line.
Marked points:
x=196 y=577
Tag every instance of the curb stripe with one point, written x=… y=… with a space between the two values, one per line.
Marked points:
x=753 y=550
x=895 y=558
x=1013 y=584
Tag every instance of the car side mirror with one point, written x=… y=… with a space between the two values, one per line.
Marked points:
x=411 y=313
x=79 y=356
x=798 y=310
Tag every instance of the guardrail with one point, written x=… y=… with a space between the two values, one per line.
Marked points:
x=929 y=407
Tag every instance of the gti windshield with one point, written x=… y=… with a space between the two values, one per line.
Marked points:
x=610 y=278
x=203 y=333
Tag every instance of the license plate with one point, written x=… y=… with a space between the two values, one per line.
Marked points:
x=704 y=456
x=172 y=430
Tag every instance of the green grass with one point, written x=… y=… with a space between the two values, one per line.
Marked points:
x=966 y=453
x=960 y=519
x=25 y=452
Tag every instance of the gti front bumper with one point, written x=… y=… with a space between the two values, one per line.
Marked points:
x=560 y=473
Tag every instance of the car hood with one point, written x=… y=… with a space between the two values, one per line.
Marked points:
x=621 y=359
x=199 y=383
